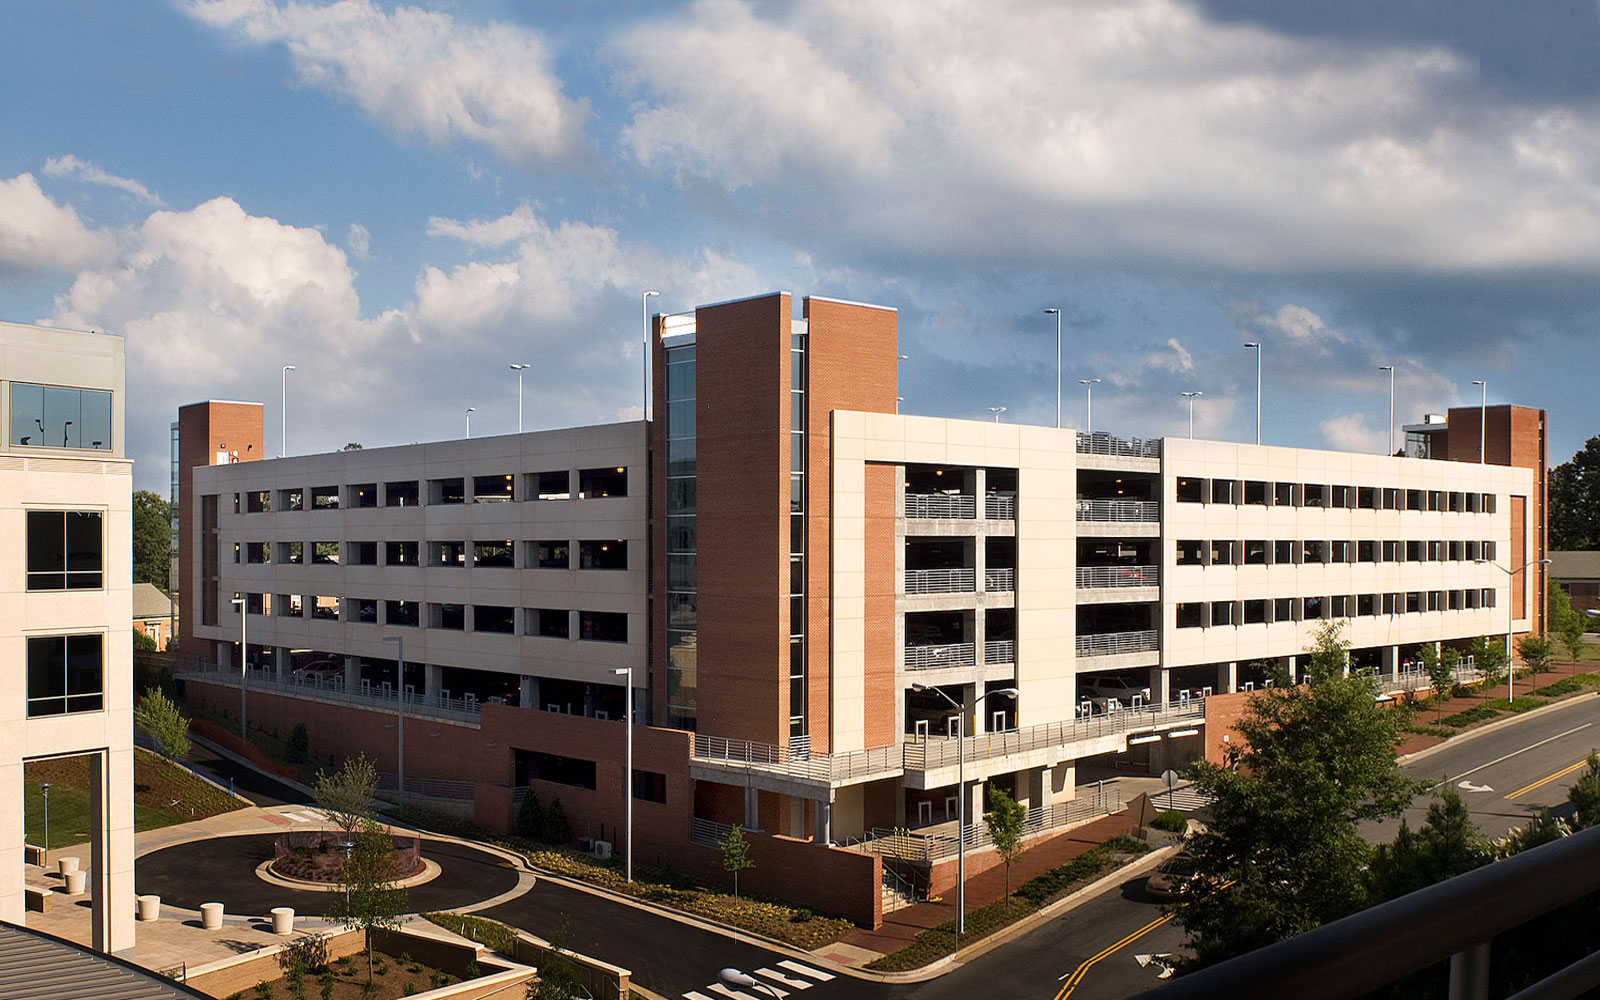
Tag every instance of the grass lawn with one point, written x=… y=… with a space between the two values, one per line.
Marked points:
x=163 y=794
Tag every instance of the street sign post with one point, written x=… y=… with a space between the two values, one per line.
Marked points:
x=1169 y=777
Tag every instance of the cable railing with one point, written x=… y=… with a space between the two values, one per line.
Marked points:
x=1113 y=643
x=941 y=505
x=1093 y=577
x=996 y=651
x=1000 y=580
x=955 y=654
x=1000 y=507
x=1101 y=443
x=1126 y=511
x=942 y=751
x=941 y=581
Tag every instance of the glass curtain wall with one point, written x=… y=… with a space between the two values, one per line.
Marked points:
x=682 y=621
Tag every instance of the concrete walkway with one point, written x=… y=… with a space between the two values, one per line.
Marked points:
x=1414 y=742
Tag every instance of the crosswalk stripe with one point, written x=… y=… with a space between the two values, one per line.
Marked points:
x=799 y=984
x=729 y=991
x=806 y=970
x=693 y=995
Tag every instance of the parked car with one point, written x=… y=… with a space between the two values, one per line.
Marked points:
x=1103 y=688
x=1170 y=880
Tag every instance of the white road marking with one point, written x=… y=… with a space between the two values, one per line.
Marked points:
x=1162 y=961
x=1467 y=786
x=1513 y=753
x=799 y=984
x=806 y=970
x=729 y=991
x=692 y=995
x=300 y=817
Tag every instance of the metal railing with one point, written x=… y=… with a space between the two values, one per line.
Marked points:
x=1127 y=511
x=331 y=688
x=1101 y=443
x=1112 y=643
x=1090 y=577
x=1000 y=507
x=941 y=581
x=955 y=654
x=428 y=788
x=1455 y=919
x=1000 y=651
x=1000 y=580
x=708 y=832
x=941 y=505
x=851 y=766
x=925 y=848
x=943 y=751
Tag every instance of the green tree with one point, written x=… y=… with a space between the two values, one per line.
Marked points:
x=371 y=900
x=1441 y=674
x=1574 y=490
x=1446 y=845
x=1584 y=794
x=1536 y=652
x=143 y=643
x=152 y=538
x=1489 y=655
x=736 y=855
x=1006 y=822
x=1285 y=827
x=556 y=828
x=530 y=816
x=345 y=796
x=160 y=719
x=352 y=446
x=298 y=746
x=1329 y=655
x=1564 y=620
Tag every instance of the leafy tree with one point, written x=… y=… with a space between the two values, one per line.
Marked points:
x=371 y=900
x=1006 y=821
x=1574 y=512
x=352 y=446
x=556 y=828
x=160 y=719
x=1285 y=828
x=152 y=538
x=1441 y=674
x=1564 y=620
x=530 y=816
x=1490 y=657
x=1329 y=652
x=1446 y=845
x=736 y=855
x=298 y=747
x=143 y=643
x=1536 y=652
x=1584 y=794
x=558 y=973
x=345 y=796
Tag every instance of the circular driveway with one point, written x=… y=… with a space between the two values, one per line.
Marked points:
x=223 y=870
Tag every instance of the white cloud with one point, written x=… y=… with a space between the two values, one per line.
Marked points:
x=71 y=166
x=420 y=71
x=38 y=234
x=488 y=232
x=1351 y=433
x=1111 y=131
x=359 y=240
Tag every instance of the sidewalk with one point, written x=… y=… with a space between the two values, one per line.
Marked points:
x=1414 y=742
x=901 y=926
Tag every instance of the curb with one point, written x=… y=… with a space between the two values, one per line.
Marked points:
x=1496 y=726
x=227 y=754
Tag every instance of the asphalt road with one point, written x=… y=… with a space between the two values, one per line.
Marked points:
x=259 y=788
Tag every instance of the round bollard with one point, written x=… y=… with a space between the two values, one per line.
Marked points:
x=283 y=920
x=211 y=916
x=67 y=866
x=149 y=909
x=77 y=882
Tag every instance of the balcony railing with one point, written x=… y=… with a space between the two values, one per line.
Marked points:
x=799 y=762
x=941 y=581
x=1091 y=577
x=1112 y=643
x=997 y=651
x=1000 y=507
x=941 y=505
x=1119 y=510
x=331 y=688
x=1000 y=580
x=1101 y=443
x=955 y=654
x=941 y=751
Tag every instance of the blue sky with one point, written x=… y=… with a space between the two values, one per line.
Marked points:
x=402 y=200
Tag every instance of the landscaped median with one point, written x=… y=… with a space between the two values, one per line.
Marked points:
x=1030 y=897
x=1494 y=708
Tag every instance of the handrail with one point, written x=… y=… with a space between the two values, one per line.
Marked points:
x=941 y=505
x=941 y=581
x=1000 y=507
x=465 y=709
x=1101 y=443
x=1091 y=577
x=1140 y=511
x=1112 y=643
x=1000 y=651
x=941 y=751
x=1357 y=954
x=1000 y=579
x=953 y=654
x=908 y=845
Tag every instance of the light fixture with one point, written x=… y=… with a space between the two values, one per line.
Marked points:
x=1136 y=740
x=1183 y=732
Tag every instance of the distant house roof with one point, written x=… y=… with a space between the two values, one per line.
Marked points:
x=150 y=602
x=34 y=964
x=1575 y=565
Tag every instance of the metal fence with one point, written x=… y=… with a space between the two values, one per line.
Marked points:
x=1000 y=651
x=926 y=848
x=1101 y=443
x=428 y=788
x=1091 y=577
x=1112 y=643
x=936 y=751
x=1000 y=507
x=1127 y=511
x=798 y=763
x=1000 y=580
x=955 y=654
x=941 y=505
x=941 y=581
x=331 y=688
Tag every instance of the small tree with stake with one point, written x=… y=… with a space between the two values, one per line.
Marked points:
x=345 y=796
x=371 y=900
x=1441 y=674
x=1006 y=821
x=160 y=718
x=736 y=855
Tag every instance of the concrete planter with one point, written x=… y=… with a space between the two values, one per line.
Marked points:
x=77 y=881
x=283 y=920
x=211 y=916
x=67 y=866
x=149 y=909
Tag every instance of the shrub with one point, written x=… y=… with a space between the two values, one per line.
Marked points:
x=264 y=990
x=489 y=933
x=326 y=982
x=530 y=817
x=802 y=916
x=1171 y=820
x=556 y=828
x=409 y=990
x=298 y=749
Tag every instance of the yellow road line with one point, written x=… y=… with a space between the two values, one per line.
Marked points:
x=1077 y=975
x=1525 y=789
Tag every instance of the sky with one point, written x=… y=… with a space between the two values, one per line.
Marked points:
x=401 y=200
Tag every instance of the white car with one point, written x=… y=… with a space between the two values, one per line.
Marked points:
x=1103 y=688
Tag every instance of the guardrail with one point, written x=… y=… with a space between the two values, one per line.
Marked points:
x=331 y=688
x=1112 y=643
x=427 y=788
x=798 y=763
x=955 y=654
x=921 y=848
x=943 y=751
x=1124 y=511
x=1000 y=651
x=941 y=505
x=1093 y=577
x=941 y=581
x=1101 y=443
x=1001 y=580
x=1000 y=507
x=708 y=832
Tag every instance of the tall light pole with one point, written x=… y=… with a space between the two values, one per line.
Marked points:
x=961 y=799
x=1057 y=314
x=997 y=410
x=644 y=304
x=519 y=369
x=898 y=399
x=283 y=411
x=627 y=844
x=1191 y=397
x=1483 y=414
x=399 y=712
x=470 y=411
x=1256 y=346
x=1511 y=671
x=1390 y=370
x=44 y=859
x=244 y=663
x=1088 y=390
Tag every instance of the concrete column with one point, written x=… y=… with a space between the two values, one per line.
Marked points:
x=527 y=688
x=1034 y=790
x=824 y=833
x=111 y=851
x=352 y=674
x=977 y=802
x=1227 y=677
x=752 y=808
x=12 y=904
x=1160 y=686
x=970 y=707
x=1288 y=666
x=280 y=663
x=1391 y=661
x=1061 y=783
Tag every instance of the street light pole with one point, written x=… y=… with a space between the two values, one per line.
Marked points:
x=244 y=664
x=1390 y=370
x=399 y=712
x=644 y=302
x=898 y=399
x=470 y=411
x=1191 y=397
x=283 y=411
x=519 y=369
x=1256 y=346
x=1057 y=313
x=1483 y=413
x=997 y=410
x=1088 y=389
x=44 y=858
x=1511 y=672
x=627 y=845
